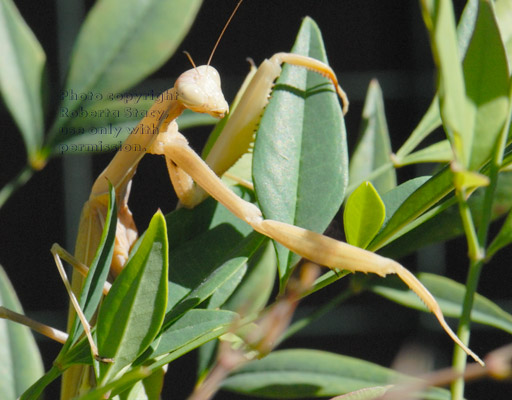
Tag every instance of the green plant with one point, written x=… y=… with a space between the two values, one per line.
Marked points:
x=220 y=270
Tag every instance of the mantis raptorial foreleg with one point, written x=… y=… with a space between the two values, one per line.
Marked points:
x=316 y=247
x=237 y=135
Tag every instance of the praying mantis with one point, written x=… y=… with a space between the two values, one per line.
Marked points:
x=193 y=178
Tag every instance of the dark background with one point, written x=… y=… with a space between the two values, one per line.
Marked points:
x=363 y=39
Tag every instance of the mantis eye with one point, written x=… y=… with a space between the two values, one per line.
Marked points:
x=191 y=94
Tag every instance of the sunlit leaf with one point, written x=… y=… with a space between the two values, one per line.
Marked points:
x=363 y=216
x=300 y=156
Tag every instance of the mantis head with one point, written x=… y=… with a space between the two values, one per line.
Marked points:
x=198 y=89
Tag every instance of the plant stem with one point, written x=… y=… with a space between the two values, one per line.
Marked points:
x=476 y=243
x=464 y=330
x=475 y=257
x=20 y=179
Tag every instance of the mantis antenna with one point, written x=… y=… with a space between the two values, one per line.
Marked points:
x=190 y=59
x=222 y=32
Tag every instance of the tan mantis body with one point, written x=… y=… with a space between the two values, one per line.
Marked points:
x=199 y=90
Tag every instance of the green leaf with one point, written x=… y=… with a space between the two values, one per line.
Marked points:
x=80 y=353
x=363 y=216
x=419 y=201
x=250 y=296
x=301 y=373
x=147 y=389
x=21 y=73
x=21 y=362
x=456 y=112
x=76 y=351
x=473 y=125
x=487 y=84
x=466 y=26
x=446 y=224
x=35 y=391
x=133 y=311
x=503 y=10
x=432 y=118
x=214 y=284
x=92 y=290
x=127 y=379
x=193 y=325
x=374 y=147
x=124 y=382
x=300 y=156
x=450 y=296
x=201 y=240
x=438 y=152
x=186 y=225
x=120 y=43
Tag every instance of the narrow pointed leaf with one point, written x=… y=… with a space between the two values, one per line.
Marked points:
x=192 y=326
x=446 y=224
x=92 y=290
x=504 y=16
x=374 y=147
x=35 y=391
x=214 y=285
x=120 y=43
x=432 y=118
x=20 y=361
x=456 y=112
x=450 y=296
x=133 y=311
x=487 y=84
x=300 y=158
x=363 y=216
x=124 y=382
x=301 y=373
x=21 y=73
x=439 y=152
